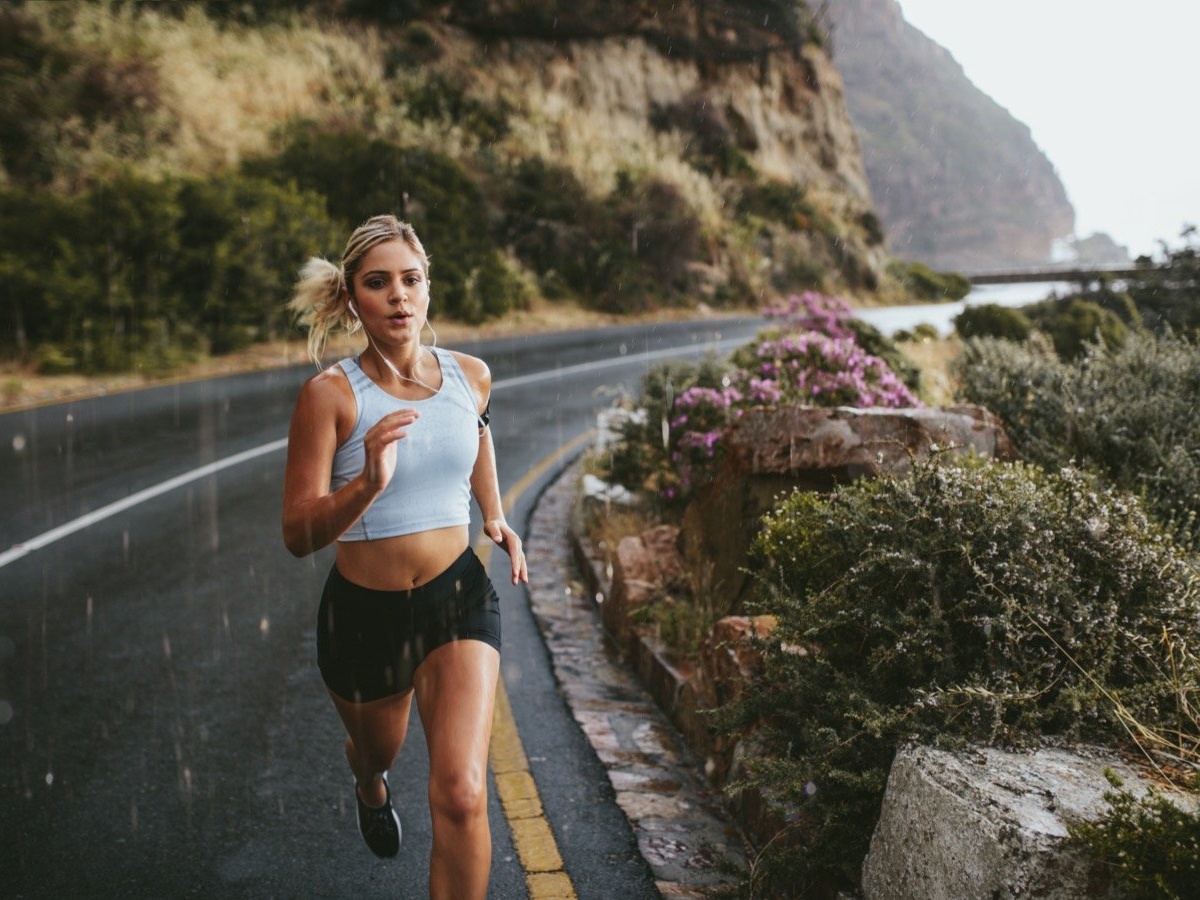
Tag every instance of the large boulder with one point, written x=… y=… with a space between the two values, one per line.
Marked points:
x=990 y=823
x=771 y=451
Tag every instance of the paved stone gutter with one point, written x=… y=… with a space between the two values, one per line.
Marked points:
x=682 y=831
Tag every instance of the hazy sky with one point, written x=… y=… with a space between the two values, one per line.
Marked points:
x=1109 y=89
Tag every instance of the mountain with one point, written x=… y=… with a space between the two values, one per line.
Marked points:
x=957 y=181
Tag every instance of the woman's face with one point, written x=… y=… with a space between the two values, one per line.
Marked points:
x=391 y=291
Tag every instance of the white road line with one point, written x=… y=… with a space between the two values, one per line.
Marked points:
x=648 y=356
x=17 y=551
x=99 y=515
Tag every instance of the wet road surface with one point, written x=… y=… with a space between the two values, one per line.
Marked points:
x=163 y=728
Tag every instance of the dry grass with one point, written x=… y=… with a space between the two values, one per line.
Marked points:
x=935 y=358
x=226 y=89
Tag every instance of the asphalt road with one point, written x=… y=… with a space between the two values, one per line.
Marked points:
x=163 y=727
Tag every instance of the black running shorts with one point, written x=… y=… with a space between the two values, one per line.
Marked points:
x=369 y=642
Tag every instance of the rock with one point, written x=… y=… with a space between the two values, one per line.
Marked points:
x=728 y=662
x=596 y=493
x=772 y=451
x=611 y=422
x=838 y=444
x=988 y=823
x=728 y=659
x=642 y=566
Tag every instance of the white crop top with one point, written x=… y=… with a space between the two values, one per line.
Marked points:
x=431 y=487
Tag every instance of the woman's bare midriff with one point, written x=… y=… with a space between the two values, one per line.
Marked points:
x=400 y=563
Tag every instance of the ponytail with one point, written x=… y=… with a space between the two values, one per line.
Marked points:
x=319 y=304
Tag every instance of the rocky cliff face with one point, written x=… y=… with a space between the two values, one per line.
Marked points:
x=712 y=95
x=958 y=182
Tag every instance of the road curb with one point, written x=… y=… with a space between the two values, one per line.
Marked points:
x=689 y=843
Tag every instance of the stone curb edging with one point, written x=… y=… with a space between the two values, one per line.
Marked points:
x=681 y=829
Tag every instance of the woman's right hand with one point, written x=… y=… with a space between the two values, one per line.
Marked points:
x=379 y=445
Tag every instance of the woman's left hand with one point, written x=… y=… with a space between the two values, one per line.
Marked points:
x=499 y=531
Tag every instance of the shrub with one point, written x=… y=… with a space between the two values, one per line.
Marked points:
x=1149 y=846
x=1127 y=413
x=192 y=264
x=969 y=602
x=1073 y=324
x=865 y=376
x=445 y=98
x=63 y=101
x=926 y=284
x=622 y=253
x=1168 y=295
x=641 y=459
x=992 y=320
x=359 y=177
x=813 y=359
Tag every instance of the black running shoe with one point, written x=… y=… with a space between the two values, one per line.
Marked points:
x=379 y=827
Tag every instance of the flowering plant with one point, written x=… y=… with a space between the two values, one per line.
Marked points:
x=814 y=359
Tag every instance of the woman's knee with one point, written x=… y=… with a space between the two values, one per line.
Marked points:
x=458 y=797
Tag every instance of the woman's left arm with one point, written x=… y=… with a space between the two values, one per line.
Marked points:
x=485 y=483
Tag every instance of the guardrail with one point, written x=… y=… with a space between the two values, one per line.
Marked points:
x=1081 y=274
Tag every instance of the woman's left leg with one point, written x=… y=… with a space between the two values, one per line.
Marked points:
x=456 y=694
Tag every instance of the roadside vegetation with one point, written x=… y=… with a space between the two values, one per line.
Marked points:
x=1051 y=599
x=165 y=168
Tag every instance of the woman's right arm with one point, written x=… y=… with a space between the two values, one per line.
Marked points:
x=312 y=516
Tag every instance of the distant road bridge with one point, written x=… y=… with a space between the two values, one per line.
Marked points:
x=1076 y=274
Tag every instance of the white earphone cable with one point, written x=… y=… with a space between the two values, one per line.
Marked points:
x=395 y=371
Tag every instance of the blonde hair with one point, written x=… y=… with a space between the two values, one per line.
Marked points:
x=321 y=298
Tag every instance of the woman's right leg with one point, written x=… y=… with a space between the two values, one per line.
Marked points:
x=375 y=732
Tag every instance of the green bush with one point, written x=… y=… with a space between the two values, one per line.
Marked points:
x=1128 y=414
x=991 y=320
x=622 y=253
x=138 y=272
x=63 y=100
x=359 y=176
x=1073 y=324
x=926 y=284
x=1148 y=846
x=1168 y=295
x=640 y=459
x=445 y=98
x=51 y=360
x=971 y=601
x=921 y=332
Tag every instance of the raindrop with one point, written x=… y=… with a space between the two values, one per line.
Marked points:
x=6 y=712
x=264 y=626
x=810 y=788
x=49 y=779
x=167 y=646
x=18 y=442
x=624 y=349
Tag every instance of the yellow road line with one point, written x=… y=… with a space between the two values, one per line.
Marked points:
x=534 y=841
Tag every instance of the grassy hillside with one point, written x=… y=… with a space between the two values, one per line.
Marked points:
x=167 y=166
